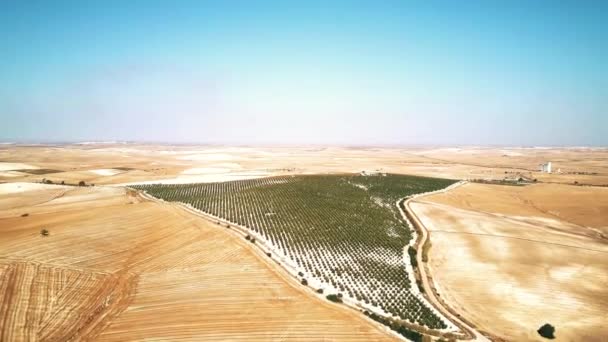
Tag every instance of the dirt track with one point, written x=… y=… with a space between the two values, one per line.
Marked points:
x=542 y=247
x=510 y=265
x=426 y=278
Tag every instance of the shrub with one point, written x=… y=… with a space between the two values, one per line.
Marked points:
x=300 y=274
x=412 y=253
x=420 y=286
x=268 y=254
x=547 y=331
x=247 y=237
x=304 y=282
x=25 y=215
x=320 y=291
x=82 y=183
x=44 y=232
x=48 y=181
x=334 y=298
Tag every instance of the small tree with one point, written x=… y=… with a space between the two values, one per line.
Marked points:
x=547 y=331
x=334 y=298
x=44 y=232
x=412 y=253
x=304 y=282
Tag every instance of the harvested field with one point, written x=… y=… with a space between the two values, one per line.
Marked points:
x=115 y=267
x=510 y=259
x=542 y=243
x=175 y=164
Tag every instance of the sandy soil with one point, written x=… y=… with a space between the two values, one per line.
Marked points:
x=141 y=163
x=116 y=267
x=507 y=258
x=4 y=166
x=513 y=258
x=105 y=172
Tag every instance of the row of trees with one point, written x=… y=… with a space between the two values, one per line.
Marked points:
x=341 y=230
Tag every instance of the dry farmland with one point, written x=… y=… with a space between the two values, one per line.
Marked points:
x=512 y=258
x=115 y=267
x=118 y=266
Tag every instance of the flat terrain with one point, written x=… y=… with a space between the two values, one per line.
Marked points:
x=512 y=258
x=125 y=163
x=342 y=234
x=115 y=267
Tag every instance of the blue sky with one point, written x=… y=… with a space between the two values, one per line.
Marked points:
x=327 y=72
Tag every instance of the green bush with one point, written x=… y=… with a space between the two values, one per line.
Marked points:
x=334 y=298
x=411 y=251
x=547 y=331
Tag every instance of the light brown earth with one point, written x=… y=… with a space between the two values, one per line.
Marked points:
x=506 y=258
x=116 y=267
x=510 y=258
x=215 y=163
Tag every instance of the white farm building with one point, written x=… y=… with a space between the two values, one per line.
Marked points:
x=545 y=167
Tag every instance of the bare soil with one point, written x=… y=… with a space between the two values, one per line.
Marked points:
x=513 y=258
x=115 y=267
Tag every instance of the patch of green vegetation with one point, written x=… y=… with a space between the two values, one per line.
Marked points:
x=411 y=251
x=334 y=298
x=547 y=331
x=344 y=231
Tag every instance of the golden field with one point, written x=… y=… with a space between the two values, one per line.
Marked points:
x=116 y=266
x=512 y=258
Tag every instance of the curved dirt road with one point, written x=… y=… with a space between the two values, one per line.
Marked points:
x=477 y=336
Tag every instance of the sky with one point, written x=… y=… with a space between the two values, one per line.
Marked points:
x=517 y=73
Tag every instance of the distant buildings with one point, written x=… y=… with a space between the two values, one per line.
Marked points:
x=545 y=167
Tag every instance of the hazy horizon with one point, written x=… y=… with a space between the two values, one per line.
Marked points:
x=272 y=73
